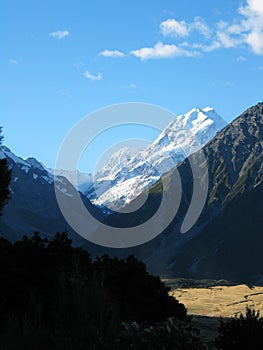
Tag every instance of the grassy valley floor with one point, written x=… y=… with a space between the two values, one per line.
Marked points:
x=208 y=304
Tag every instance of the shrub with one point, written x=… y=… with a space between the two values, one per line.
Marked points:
x=242 y=333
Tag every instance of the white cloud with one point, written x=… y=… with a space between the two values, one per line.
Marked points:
x=247 y=31
x=200 y=25
x=172 y=27
x=214 y=45
x=224 y=36
x=161 y=50
x=255 y=40
x=92 y=77
x=59 y=34
x=13 y=61
x=254 y=7
x=252 y=25
x=112 y=53
x=133 y=86
x=228 y=41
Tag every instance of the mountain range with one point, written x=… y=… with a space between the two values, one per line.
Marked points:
x=227 y=239
x=230 y=245
x=33 y=205
x=129 y=171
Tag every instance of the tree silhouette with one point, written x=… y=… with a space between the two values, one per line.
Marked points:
x=141 y=296
x=5 y=177
x=54 y=296
x=241 y=333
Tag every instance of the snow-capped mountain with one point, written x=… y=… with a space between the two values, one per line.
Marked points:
x=32 y=165
x=84 y=180
x=128 y=172
x=29 y=166
x=33 y=205
x=114 y=170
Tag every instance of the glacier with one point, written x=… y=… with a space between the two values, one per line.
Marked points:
x=129 y=172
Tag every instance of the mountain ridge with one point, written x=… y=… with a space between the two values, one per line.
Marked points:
x=33 y=205
x=181 y=137
x=225 y=242
x=234 y=157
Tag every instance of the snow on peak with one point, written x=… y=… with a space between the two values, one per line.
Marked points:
x=25 y=164
x=123 y=155
x=80 y=180
x=208 y=109
x=118 y=160
x=128 y=172
x=5 y=152
x=35 y=163
x=196 y=117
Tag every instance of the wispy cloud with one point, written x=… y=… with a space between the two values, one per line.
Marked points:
x=245 y=31
x=252 y=25
x=112 y=53
x=59 y=34
x=241 y=59
x=90 y=76
x=172 y=27
x=200 y=26
x=161 y=50
x=13 y=61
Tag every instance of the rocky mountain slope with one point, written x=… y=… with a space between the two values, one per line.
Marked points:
x=226 y=241
x=231 y=244
x=128 y=172
x=33 y=205
x=84 y=181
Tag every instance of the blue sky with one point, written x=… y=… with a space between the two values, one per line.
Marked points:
x=61 y=60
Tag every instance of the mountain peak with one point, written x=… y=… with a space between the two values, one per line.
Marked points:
x=5 y=152
x=35 y=163
x=196 y=121
x=194 y=110
x=127 y=173
x=208 y=109
x=197 y=109
x=118 y=160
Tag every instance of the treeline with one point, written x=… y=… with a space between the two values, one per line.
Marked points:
x=53 y=296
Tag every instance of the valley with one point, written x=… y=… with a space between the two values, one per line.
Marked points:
x=224 y=301
x=131 y=175
x=207 y=305
x=224 y=242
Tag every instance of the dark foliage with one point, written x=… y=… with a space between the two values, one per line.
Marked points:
x=171 y=334
x=5 y=177
x=52 y=296
x=141 y=296
x=241 y=333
